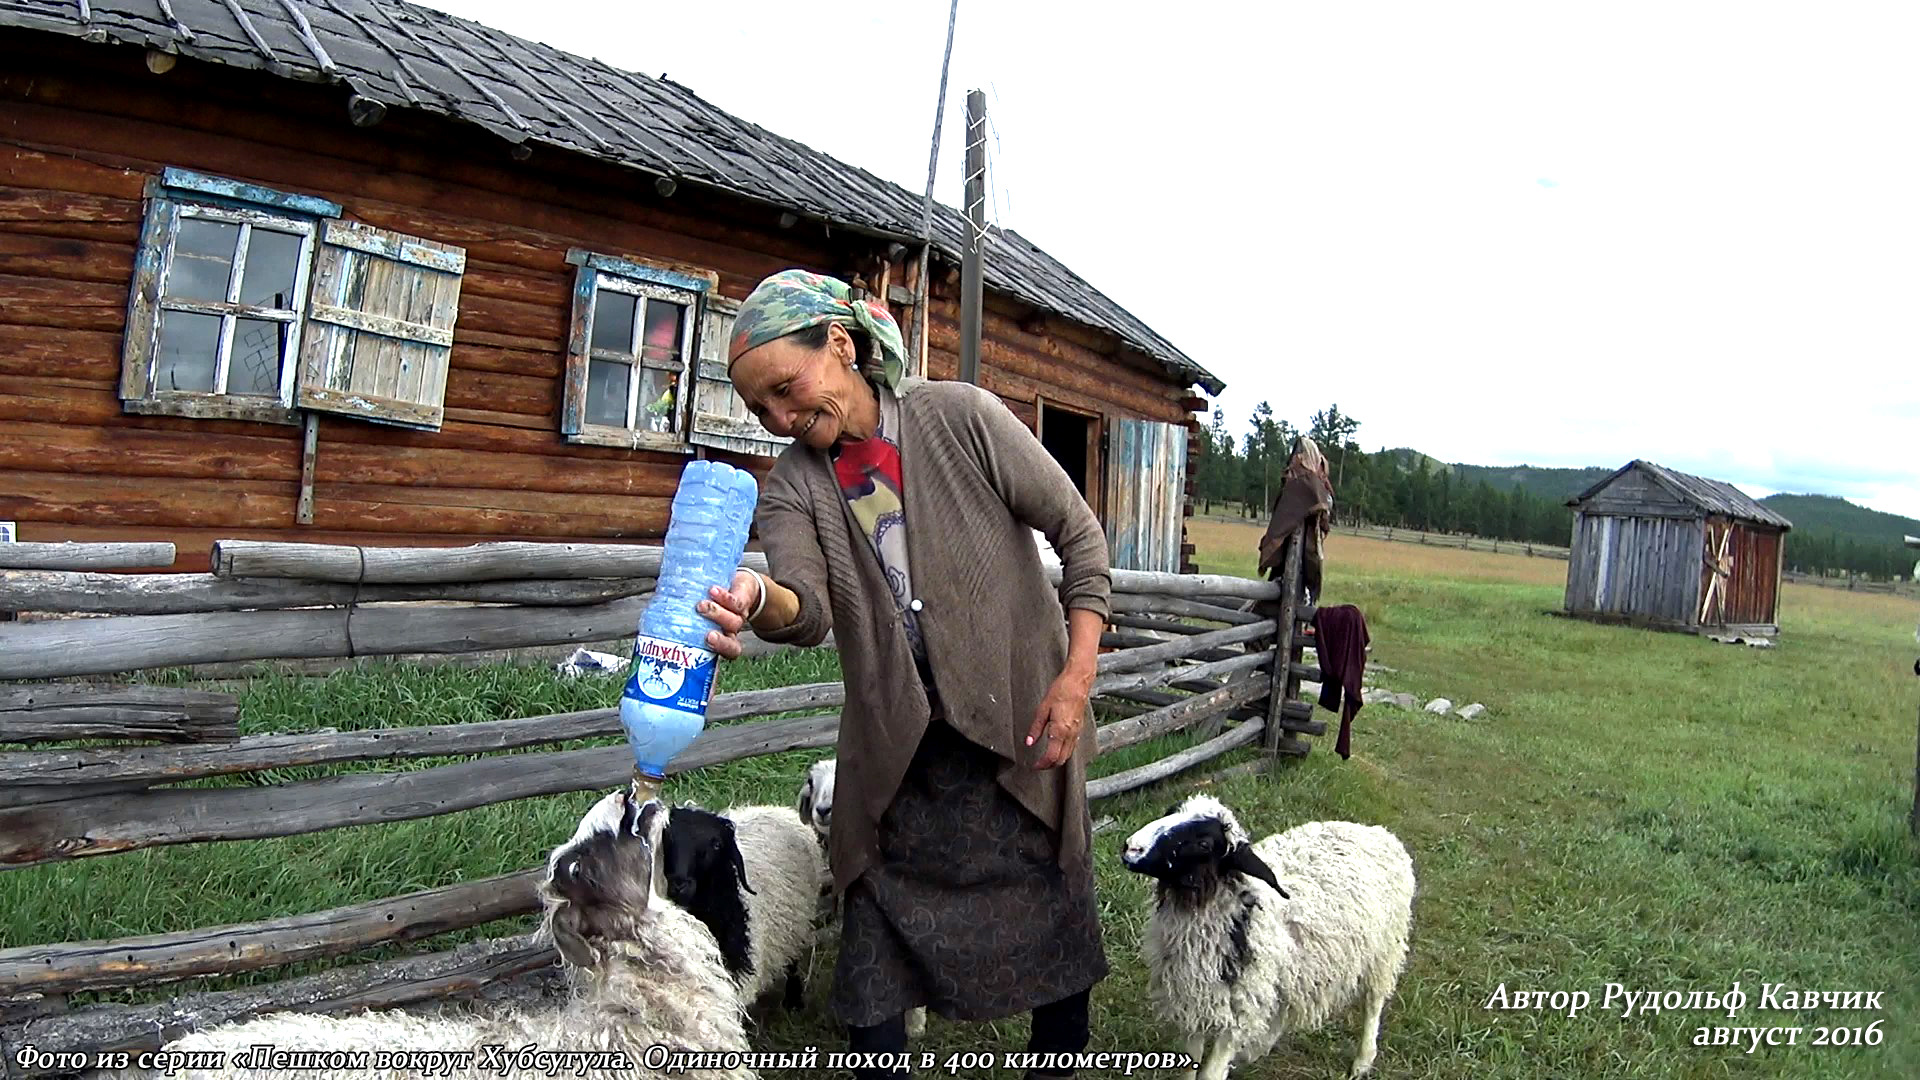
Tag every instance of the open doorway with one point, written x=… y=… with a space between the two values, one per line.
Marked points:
x=1066 y=436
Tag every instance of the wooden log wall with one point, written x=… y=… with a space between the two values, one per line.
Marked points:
x=84 y=128
x=96 y=801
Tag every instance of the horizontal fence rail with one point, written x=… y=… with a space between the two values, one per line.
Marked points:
x=1192 y=653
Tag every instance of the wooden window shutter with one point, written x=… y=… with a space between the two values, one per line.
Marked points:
x=380 y=325
x=720 y=418
x=1146 y=494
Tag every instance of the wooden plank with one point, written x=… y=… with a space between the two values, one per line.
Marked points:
x=369 y=406
x=52 y=302
x=129 y=451
x=526 y=394
x=229 y=950
x=62 y=712
x=39 y=556
x=500 y=561
x=179 y=594
x=67 y=647
x=66 y=258
x=1159 y=722
x=151 y=765
x=1135 y=603
x=85 y=828
x=1151 y=655
x=43 y=211
x=385 y=326
x=113 y=500
x=1240 y=735
x=387 y=984
x=83 y=355
x=412 y=250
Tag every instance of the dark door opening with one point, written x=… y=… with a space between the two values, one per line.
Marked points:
x=1064 y=434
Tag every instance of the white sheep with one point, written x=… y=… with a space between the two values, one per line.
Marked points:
x=1249 y=942
x=645 y=974
x=752 y=875
x=816 y=806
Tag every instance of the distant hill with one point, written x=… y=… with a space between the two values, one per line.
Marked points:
x=1547 y=483
x=1828 y=513
x=1809 y=513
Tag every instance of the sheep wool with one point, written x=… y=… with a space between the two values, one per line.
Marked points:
x=1236 y=965
x=644 y=975
x=785 y=870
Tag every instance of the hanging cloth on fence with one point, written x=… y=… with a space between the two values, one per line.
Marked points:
x=1340 y=638
x=1305 y=497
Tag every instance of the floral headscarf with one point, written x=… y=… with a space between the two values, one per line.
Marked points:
x=794 y=300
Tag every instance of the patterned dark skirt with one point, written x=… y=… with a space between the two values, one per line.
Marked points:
x=967 y=911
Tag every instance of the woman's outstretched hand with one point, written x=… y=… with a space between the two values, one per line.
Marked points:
x=728 y=608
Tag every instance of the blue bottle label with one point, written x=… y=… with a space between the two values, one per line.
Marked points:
x=671 y=675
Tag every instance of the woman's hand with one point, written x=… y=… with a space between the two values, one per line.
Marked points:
x=1061 y=717
x=728 y=608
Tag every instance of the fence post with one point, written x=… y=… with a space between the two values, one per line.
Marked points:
x=1283 y=681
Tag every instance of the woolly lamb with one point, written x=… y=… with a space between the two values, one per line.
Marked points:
x=816 y=807
x=645 y=973
x=1249 y=942
x=816 y=797
x=753 y=875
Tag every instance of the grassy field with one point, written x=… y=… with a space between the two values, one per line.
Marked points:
x=1649 y=810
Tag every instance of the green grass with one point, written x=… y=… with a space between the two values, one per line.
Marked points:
x=1652 y=810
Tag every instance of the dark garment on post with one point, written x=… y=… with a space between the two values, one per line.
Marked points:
x=1340 y=637
x=966 y=911
x=1305 y=498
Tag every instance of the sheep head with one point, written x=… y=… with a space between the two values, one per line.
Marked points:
x=1191 y=848
x=816 y=797
x=605 y=883
x=707 y=876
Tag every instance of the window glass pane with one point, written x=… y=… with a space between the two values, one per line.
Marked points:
x=253 y=362
x=657 y=399
x=202 y=259
x=189 y=344
x=613 y=321
x=272 y=258
x=607 y=393
x=662 y=341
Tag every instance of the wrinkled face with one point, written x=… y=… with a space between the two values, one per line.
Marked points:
x=801 y=392
x=816 y=798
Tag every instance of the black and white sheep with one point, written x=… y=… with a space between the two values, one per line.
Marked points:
x=1248 y=942
x=645 y=974
x=753 y=875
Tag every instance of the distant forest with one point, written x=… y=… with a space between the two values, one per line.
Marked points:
x=1404 y=488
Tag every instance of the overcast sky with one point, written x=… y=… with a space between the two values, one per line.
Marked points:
x=1499 y=233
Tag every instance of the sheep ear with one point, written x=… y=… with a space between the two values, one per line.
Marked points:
x=1243 y=859
x=567 y=938
x=740 y=868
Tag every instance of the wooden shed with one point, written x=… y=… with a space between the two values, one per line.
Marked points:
x=1656 y=547
x=362 y=272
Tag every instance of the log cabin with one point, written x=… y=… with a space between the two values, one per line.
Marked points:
x=360 y=272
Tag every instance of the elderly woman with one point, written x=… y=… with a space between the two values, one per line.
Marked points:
x=901 y=519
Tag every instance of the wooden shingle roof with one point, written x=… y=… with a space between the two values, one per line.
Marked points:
x=414 y=57
x=1709 y=496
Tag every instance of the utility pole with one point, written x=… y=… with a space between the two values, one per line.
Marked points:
x=917 y=329
x=970 y=272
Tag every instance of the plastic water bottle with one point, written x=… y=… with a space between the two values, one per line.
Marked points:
x=664 y=705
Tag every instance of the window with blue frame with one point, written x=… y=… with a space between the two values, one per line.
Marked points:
x=630 y=358
x=254 y=304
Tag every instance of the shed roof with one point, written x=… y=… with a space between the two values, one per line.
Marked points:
x=523 y=91
x=1710 y=496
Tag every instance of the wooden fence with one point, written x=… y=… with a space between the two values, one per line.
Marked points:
x=1186 y=652
x=1453 y=540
